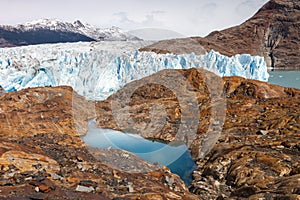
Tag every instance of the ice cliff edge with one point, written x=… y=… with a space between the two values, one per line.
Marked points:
x=96 y=73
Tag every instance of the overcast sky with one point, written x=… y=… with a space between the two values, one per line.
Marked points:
x=187 y=17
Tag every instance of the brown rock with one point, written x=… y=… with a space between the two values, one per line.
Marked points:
x=273 y=33
x=235 y=161
x=37 y=196
x=44 y=188
x=40 y=131
x=41 y=150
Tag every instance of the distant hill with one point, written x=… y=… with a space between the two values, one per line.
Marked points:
x=273 y=32
x=55 y=31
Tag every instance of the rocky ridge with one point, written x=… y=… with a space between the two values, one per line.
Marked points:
x=246 y=141
x=43 y=157
x=273 y=33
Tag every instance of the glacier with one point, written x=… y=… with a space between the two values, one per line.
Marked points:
x=98 y=69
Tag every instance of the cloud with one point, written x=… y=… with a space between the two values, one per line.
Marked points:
x=149 y=20
x=209 y=8
x=204 y=12
x=122 y=17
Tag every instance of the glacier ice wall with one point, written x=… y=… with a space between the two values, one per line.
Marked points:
x=96 y=70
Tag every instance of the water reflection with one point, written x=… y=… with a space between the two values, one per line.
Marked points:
x=176 y=155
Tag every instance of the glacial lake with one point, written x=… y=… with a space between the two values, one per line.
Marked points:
x=285 y=78
x=175 y=156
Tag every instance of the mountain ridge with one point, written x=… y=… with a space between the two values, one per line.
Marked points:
x=55 y=31
x=273 y=33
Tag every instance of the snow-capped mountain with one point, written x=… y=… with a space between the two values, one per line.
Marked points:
x=56 y=31
x=96 y=33
x=98 y=69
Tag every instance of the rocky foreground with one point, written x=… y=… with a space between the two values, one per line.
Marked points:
x=243 y=134
x=273 y=33
x=43 y=157
x=247 y=137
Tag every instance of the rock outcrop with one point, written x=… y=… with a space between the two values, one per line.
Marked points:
x=273 y=32
x=243 y=135
x=245 y=140
x=43 y=157
x=2 y=91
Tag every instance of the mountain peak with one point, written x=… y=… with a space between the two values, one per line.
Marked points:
x=54 y=30
x=78 y=24
x=273 y=33
x=44 y=22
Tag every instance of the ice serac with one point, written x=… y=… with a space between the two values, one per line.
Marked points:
x=96 y=70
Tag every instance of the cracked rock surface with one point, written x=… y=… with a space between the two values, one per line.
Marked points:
x=43 y=157
x=255 y=154
x=244 y=139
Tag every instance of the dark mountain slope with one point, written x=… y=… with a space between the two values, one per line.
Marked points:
x=40 y=36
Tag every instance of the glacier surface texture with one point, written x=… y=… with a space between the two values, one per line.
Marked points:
x=96 y=70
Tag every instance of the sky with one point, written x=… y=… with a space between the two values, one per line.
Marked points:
x=181 y=17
